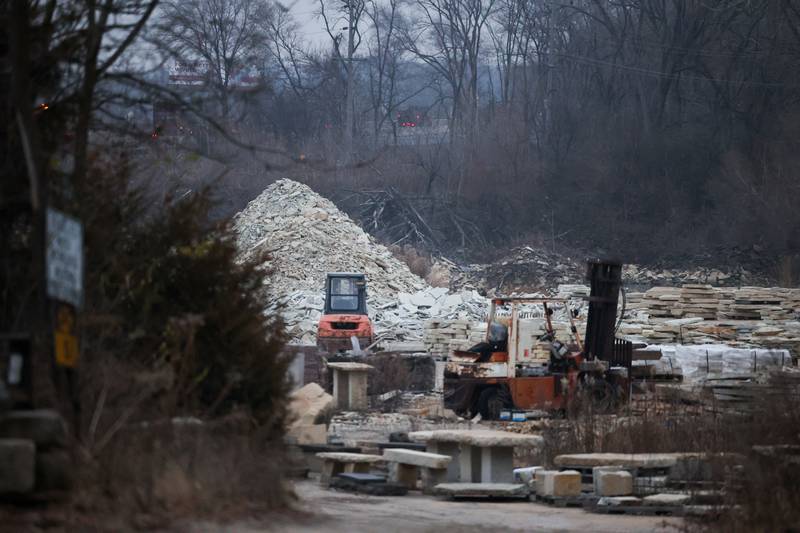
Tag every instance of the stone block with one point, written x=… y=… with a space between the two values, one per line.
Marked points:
x=562 y=484
x=612 y=482
x=497 y=464
x=17 y=466
x=44 y=427
x=53 y=470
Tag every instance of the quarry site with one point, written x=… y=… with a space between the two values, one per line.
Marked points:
x=399 y=266
x=700 y=349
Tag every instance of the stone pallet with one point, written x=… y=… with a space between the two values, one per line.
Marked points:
x=638 y=510
x=567 y=501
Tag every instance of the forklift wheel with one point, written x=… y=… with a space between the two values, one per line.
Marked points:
x=490 y=403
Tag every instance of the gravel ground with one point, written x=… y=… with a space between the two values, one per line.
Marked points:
x=331 y=511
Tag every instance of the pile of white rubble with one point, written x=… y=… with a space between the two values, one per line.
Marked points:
x=306 y=236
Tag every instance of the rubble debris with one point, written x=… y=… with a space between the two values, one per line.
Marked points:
x=309 y=405
x=306 y=236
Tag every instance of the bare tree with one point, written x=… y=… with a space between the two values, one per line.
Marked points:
x=226 y=35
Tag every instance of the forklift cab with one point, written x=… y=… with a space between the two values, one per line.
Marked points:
x=345 y=293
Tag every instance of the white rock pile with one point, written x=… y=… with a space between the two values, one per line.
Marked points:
x=307 y=236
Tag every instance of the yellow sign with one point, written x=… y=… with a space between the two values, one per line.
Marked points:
x=66 y=342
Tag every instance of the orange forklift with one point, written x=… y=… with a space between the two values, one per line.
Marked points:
x=344 y=325
x=523 y=366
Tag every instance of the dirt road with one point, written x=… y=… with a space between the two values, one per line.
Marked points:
x=332 y=511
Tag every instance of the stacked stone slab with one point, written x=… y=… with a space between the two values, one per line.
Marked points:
x=661 y=302
x=33 y=452
x=443 y=336
x=699 y=301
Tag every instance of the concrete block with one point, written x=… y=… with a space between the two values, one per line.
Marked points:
x=612 y=482
x=17 y=466
x=452 y=450
x=497 y=464
x=53 y=470
x=357 y=389
x=562 y=484
x=432 y=477
x=539 y=480
x=44 y=427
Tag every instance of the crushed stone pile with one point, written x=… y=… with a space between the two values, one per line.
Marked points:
x=307 y=236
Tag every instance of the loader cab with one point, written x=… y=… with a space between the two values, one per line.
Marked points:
x=345 y=293
x=344 y=321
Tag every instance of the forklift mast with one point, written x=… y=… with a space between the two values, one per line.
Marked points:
x=605 y=278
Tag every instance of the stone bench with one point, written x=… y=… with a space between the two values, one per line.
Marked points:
x=479 y=455
x=405 y=466
x=334 y=463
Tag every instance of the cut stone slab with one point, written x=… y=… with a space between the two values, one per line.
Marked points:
x=17 y=466
x=478 y=437
x=309 y=404
x=344 y=457
x=619 y=500
x=667 y=499
x=45 y=427
x=626 y=460
x=416 y=458
x=351 y=367
x=612 y=482
x=489 y=490
x=562 y=484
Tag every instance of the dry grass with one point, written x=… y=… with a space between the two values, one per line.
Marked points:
x=763 y=491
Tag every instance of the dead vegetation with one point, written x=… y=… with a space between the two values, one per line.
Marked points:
x=754 y=452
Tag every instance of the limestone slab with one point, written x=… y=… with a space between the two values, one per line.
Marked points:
x=413 y=457
x=344 y=457
x=351 y=367
x=495 y=490
x=478 y=437
x=627 y=460
x=666 y=499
